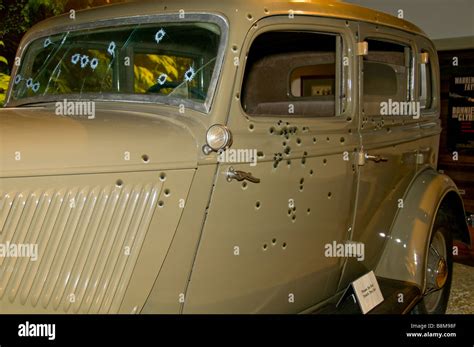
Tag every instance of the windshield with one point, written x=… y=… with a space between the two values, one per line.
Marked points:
x=165 y=62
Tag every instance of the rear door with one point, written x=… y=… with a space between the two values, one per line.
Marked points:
x=389 y=130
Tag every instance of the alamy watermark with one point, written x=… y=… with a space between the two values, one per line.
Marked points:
x=76 y=108
x=237 y=156
x=28 y=329
x=400 y=108
x=19 y=250
x=345 y=250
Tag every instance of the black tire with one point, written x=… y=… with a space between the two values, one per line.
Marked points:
x=439 y=303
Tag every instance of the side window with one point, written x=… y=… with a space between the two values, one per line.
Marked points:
x=387 y=75
x=295 y=74
x=426 y=82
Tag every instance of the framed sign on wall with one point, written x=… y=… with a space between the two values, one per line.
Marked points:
x=461 y=111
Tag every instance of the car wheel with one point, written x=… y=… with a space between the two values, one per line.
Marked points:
x=438 y=271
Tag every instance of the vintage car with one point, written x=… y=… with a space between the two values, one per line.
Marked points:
x=224 y=157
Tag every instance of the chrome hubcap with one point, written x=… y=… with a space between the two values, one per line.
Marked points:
x=436 y=271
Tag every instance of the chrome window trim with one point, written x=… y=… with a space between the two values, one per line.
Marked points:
x=202 y=17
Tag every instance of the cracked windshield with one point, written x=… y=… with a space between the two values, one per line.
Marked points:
x=163 y=60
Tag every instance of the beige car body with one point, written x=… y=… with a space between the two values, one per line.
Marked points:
x=195 y=242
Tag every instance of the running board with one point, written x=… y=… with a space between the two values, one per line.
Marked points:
x=399 y=298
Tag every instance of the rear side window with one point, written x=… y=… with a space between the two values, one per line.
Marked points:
x=293 y=74
x=387 y=75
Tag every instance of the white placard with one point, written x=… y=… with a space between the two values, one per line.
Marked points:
x=367 y=291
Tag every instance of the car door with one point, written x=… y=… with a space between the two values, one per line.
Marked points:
x=264 y=245
x=389 y=137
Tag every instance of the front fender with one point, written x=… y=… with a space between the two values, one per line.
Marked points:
x=405 y=255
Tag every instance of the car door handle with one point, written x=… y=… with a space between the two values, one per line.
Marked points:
x=240 y=176
x=376 y=158
x=364 y=156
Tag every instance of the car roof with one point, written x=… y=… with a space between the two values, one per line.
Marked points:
x=257 y=9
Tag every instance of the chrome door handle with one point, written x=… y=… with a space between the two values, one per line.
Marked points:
x=240 y=176
x=363 y=156
x=376 y=158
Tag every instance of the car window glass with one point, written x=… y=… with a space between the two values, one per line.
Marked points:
x=386 y=75
x=292 y=74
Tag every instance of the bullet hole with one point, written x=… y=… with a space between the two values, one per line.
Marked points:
x=275 y=164
x=305 y=129
x=274 y=241
x=293 y=218
x=329 y=195
x=266 y=10
x=162 y=176
x=350 y=131
x=260 y=154
x=287 y=150
x=298 y=141
x=349 y=119
x=389 y=130
x=235 y=48
x=249 y=16
x=283 y=245
x=347 y=23
x=145 y=158
x=271 y=130
x=328 y=139
x=301 y=188
x=308 y=211
x=289 y=211
x=167 y=192
x=302 y=181
x=244 y=185
x=342 y=140
x=279 y=122
x=303 y=161
x=353 y=168
x=237 y=96
x=119 y=183
x=325 y=161
x=251 y=127
x=311 y=172
x=258 y=205
x=161 y=204
x=288 y=162
x=265 y=247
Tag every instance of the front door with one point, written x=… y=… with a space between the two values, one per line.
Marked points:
x=268 y=246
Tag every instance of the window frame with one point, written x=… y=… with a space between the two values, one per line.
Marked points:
x=410 y=90
x=382 y=33
x=345 y=93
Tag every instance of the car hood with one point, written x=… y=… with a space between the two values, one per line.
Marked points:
x=36 y=141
